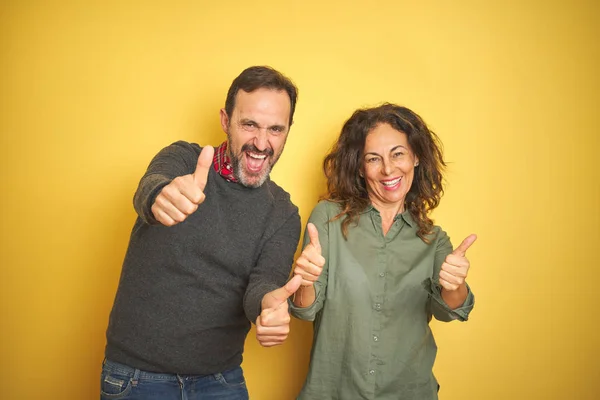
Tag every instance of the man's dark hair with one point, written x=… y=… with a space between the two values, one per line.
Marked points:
x=260 y=77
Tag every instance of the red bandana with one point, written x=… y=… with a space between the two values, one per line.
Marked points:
x=222 y=163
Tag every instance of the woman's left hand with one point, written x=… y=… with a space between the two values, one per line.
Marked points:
x=456 y=266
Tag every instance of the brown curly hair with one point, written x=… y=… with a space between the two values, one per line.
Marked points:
x=343 y=164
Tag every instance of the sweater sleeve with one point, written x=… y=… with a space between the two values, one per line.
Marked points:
x=274 y=264
x=178 y=159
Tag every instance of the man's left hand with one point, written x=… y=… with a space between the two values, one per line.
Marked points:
x=273 y=323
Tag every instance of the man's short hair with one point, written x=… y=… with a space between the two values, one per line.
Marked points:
x=259 y=77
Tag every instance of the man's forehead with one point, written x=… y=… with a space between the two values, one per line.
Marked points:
x=263 y=103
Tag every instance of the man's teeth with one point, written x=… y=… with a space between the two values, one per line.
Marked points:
x=257 y=156
x=391 y=183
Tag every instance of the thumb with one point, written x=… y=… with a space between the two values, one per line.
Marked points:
x=313 y=234
x=278 y=296
x=464 y=246
x=205 y=161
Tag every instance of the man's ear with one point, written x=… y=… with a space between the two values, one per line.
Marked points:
x=224 y=121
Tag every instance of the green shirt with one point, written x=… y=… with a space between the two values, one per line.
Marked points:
x=374 y=300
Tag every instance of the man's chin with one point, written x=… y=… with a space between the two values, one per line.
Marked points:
x=253 y=180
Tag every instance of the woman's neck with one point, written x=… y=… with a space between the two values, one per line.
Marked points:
x=388 y=212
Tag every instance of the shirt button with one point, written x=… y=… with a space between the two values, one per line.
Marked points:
x=371 y=372
x=378 y=306
x=375 y=338
x=382 y=274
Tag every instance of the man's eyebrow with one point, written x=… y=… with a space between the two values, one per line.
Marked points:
x=248 y=120
x=282 y=127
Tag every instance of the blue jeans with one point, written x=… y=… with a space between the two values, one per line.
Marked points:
x=123 y=382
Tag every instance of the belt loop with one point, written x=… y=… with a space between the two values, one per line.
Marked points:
x=136 y=376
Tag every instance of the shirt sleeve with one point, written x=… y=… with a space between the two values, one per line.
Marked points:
x=436 y=305
x=178 y=159
x=319 y=217
x=274 y=263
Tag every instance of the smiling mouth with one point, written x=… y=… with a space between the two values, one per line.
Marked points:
x=391 y=184
x=255 y=161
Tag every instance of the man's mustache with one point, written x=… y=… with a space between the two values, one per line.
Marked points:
x=253 y=149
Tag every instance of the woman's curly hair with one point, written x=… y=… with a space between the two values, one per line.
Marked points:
x=344 y=162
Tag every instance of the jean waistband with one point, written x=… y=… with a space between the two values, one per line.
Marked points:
x=135 y=373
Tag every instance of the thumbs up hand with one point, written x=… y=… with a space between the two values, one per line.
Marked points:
x=456 y=266
x=273 y=323
x=310 y=263
x=184 y=194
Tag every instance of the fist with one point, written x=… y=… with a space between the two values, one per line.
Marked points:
x=310 y=263
x=184 y=194
x=456 y=266
x=273 y=323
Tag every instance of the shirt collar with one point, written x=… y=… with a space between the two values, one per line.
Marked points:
x=222 y=163
x=406 y=215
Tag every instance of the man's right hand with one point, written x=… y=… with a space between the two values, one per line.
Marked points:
x=184 y=194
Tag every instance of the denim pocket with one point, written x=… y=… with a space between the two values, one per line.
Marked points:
x=232 y=377
x=114 y=385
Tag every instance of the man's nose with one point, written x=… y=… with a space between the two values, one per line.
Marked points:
x=261 y=139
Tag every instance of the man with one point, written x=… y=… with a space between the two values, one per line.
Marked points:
x=209 y=252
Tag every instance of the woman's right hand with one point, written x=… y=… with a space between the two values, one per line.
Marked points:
x=310 y=263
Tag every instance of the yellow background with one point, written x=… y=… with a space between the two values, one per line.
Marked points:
x=90 y=91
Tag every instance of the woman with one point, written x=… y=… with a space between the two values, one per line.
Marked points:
x=374 y=267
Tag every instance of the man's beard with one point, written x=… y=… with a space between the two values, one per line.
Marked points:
x=241 y=175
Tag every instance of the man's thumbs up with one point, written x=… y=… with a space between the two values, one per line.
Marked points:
x=184 y=194
x=273 y=323
x=205 y=162
x=310 y=263
x=456 y=266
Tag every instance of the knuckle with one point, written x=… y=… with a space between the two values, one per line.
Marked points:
x=168 y=222
x=179 y=217
x=160 y=201
x=177 y=181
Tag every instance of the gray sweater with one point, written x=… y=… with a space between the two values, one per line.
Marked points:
x=187 y=293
